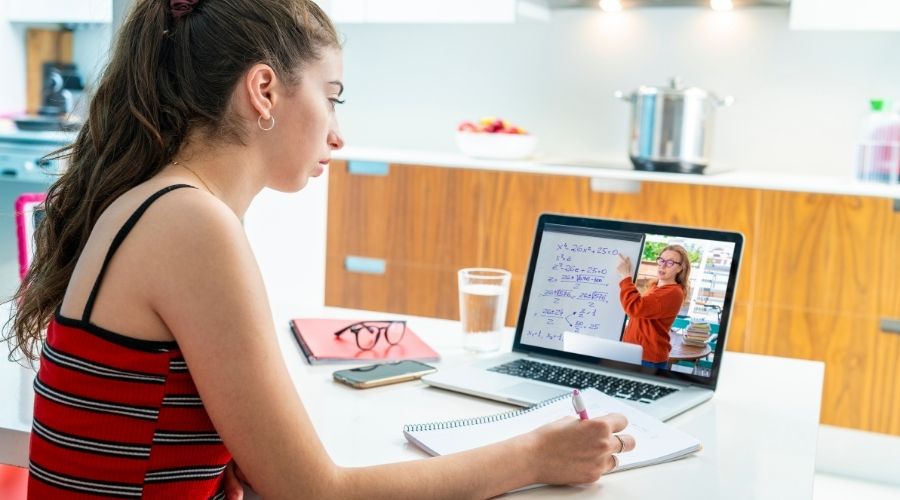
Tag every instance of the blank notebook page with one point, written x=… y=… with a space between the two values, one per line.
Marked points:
x=657 y=442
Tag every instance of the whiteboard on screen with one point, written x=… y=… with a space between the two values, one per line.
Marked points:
x=575 y=286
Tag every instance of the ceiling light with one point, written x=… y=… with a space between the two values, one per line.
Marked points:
x=721 y=5
x=610 y=5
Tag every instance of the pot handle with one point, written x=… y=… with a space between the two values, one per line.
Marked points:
x=725 y=101
x=621 y=95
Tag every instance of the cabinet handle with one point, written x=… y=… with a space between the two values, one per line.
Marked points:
x=358 y=167
x=366 y=265
x=897 y=205
x=604 y=185
x=890 y=325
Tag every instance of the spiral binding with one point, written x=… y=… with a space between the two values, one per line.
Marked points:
x=463 y=422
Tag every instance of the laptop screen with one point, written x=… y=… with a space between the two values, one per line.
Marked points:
x=669 y=319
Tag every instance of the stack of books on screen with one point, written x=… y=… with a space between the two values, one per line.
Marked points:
x=697 y=334
x=320 y=345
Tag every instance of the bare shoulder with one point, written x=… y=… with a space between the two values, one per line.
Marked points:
x=200 y=272
x=190 y=213
x=187 y=233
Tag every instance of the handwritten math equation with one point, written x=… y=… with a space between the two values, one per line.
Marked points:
x=577 y=292
x=563 y=248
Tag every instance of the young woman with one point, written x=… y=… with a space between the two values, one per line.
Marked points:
x=651 y=315
x=160 y=371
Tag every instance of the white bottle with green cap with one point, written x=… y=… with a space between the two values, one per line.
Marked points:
x=877 y=156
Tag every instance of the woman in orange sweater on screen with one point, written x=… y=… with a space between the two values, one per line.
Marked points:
x=652 y=313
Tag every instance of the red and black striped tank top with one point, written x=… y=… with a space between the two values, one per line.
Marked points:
x=116 y=416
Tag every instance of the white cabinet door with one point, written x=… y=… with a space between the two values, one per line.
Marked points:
x=344 y=11
x=420 y=11
x=59 y=11
x=868 y=15
x=440 y=11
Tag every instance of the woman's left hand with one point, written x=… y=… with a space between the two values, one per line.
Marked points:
x=234 y=479
x=624 y=267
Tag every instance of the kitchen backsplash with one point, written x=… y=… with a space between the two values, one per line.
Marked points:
x=799 y=95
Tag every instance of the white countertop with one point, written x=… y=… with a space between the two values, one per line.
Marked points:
x=758 y=432
x=620 y=170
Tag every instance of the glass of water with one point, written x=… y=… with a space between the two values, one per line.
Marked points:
x=483 y=295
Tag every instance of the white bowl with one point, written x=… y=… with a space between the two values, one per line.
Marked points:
x=496 y=146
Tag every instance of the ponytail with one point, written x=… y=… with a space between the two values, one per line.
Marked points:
x=168 y=75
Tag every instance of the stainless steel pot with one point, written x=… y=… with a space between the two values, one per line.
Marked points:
x=671 y=127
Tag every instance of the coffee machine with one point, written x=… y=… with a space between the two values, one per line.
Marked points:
x=60 y=96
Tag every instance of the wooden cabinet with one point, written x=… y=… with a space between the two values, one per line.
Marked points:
x=831 y=253
x=830 y=278
x=818 y=275
x=386 y=216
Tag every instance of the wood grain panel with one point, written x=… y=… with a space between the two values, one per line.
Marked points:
x=825 y=253
x=42 y=45
x=889 y=285
x=421 y=220
x=885 y=383
x=414 y=215
x=861 y=364
x=738 y=327
x=403 y=289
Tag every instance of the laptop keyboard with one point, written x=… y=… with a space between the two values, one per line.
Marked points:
x=571 y=377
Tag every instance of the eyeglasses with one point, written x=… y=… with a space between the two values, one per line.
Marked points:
x=666 y=262
x=367 y=333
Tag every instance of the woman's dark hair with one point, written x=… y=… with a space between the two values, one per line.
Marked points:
x=168 y=75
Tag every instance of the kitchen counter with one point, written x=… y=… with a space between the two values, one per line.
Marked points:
x=24 y=136
x=619 y=170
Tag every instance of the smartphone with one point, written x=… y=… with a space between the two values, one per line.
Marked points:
x=364 y=377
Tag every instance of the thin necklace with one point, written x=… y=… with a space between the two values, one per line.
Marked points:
x=189 y=169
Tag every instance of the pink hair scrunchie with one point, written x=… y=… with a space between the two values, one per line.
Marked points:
x=182 y=7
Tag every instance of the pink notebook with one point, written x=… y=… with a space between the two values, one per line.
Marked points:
x=320 y=345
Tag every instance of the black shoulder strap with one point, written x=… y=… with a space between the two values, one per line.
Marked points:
x=117 y=241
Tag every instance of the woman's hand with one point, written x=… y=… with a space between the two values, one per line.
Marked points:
x=234 y=479
x=624 y=268
x=571 y=451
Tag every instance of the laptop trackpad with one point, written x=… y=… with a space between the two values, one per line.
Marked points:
x=531 y=393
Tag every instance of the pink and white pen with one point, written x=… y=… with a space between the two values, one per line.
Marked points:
x=578 y=403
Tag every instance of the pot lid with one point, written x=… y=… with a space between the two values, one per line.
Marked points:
x=675 y=88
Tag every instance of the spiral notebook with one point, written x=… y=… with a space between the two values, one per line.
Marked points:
x=657 y=442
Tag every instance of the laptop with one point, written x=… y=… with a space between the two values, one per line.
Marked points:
x=571 y=323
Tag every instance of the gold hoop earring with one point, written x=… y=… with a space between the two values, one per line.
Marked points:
x=270 y=127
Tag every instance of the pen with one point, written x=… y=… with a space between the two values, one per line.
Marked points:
x=578 y=403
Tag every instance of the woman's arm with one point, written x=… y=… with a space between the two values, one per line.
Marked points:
x=208 y=290
x=650 y=306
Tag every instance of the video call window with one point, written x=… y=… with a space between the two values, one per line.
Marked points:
x=574 y=303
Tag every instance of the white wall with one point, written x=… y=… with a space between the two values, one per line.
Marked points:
x=12 y=62
x=287 y=233
x=799 y=94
